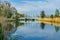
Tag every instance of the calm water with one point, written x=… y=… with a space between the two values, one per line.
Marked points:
x=35 y=31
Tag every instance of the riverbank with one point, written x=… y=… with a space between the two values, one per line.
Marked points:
x=49 y=19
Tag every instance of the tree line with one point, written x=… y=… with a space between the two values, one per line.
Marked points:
x=43 y=15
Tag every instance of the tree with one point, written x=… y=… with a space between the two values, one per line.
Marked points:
x=14 y=12
x=8 y=11
x=51 y=16
x=1 y=9
x=42 y=14
x=20 y=15
x=57 y=13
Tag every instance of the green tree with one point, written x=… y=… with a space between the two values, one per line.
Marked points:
x=57 y=13
x=1 y=9
x=42 y=14
x=14 y=12
x=51 y=16
x=8 y=11
x=20 y=15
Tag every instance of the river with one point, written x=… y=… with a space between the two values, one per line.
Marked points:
x=35 y=31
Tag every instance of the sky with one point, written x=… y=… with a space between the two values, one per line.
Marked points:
x=34 y=7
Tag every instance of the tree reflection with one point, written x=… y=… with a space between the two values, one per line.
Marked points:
x=8 y=29
x=17 y=23
x=57 y=28
x=1 y=32
x=42 y=25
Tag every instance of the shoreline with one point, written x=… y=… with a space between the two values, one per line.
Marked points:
x=49 y=19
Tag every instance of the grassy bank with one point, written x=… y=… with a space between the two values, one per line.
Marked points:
x=49 y=19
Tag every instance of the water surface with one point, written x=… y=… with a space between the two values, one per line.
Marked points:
x=36 y=31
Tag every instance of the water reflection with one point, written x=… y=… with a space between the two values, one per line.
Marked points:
x=1 y=33
x=8 y=28
x=32 y=31
x=11 y=27
x=57 y=28
x=50 y=23
x=42 y=25
x=18 y=23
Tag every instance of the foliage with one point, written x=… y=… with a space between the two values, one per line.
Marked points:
x=6 y=9
x=1 y=7
x=57 y=13
x=20 y=15
x=51 y=16
x=42 y=14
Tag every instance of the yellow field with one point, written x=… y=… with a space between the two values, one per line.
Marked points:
x=54 y=21
x=49 y=19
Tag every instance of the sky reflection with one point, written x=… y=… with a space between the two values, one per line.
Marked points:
x=34 y=31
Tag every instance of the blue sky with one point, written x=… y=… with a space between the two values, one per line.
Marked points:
x=33 y=7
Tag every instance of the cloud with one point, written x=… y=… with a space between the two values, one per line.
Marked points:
x=4 y=0
x=34 y=7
